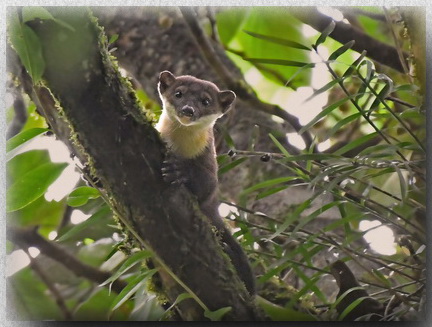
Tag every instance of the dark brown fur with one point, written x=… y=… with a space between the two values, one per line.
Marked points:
x=191 y=106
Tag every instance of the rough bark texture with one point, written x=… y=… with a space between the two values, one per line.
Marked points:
x=111 y=135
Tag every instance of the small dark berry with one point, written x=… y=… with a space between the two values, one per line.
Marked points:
x=231 y=153
x=266 y=157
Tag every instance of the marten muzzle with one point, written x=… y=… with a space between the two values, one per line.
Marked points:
x=187 y=111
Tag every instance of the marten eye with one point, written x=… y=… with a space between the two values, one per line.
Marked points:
x=206 y=102
x=178 y=94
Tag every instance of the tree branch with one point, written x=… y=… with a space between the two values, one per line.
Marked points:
x=29 y=237
x=343 y=33
x=52 y=288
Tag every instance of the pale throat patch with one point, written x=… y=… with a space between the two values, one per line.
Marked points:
x=188 y=141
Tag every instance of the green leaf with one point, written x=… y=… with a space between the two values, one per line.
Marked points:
x=323 y=89
x=32 y=185
x=279 y=145
x=386 y=282
x=113 y=38
x=96 y=306
x=217 y=315
x=46 y=215
x=331 y=171
x=293 y=217
x=356 y=143
x=23 y=137
x=327 y=31
x=402 y=183
x=127 y=292
x=282 y=62
x=351 y=307
x=385 y=91
x=343 y=221
x=277 y=40
x=33 y=12
x=29 y=297
x=94 y=219
x=28 y=47
x=82 y=195
x=231 y=165
x=341 y=297
x=312 y=216
x=310 y=284
x=354 y=65
x=268 y=183
x=341 y=50
x=324 y=113
x=128 y=264
x=180 y=298
x=278 y=23
x=229 y=22
x=267 y=193
x=342 y=123
x=278 y=313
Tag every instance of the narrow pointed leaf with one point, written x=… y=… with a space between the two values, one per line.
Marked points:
x=354 y=65
x=402 y=183
x=79 y=229
x=351 y=307
x=23 y=137
x=217 y=315
x=323 y=89
x=341 y=50
x=327 y=31
x=282 y=62
x=128 y=264
x=342 y=123
x=131 y=289
x=324 y=113
x=267 y=193
x=278 y=313
x=381 y=96
x=356 y=143
x=277 y=40
x=231 y=165
x=279 y=145
x=268 y=183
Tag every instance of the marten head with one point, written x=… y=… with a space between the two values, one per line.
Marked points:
x=192 y=101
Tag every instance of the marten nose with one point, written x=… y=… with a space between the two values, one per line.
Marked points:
x=188 y=111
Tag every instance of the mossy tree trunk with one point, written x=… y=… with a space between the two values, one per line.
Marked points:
x=94 y=111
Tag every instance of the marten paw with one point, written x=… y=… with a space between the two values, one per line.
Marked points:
x=172 y=172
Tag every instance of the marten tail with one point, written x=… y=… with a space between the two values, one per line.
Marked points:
x=238 y=259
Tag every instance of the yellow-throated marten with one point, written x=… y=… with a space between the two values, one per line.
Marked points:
x=190 y=108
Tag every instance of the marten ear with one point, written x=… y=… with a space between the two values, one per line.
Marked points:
x=166 y=79
x=226 y=99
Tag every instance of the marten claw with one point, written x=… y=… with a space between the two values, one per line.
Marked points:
x=171 y=172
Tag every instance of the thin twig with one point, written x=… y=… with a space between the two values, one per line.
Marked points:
x=29 y=237
x=52 y=288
